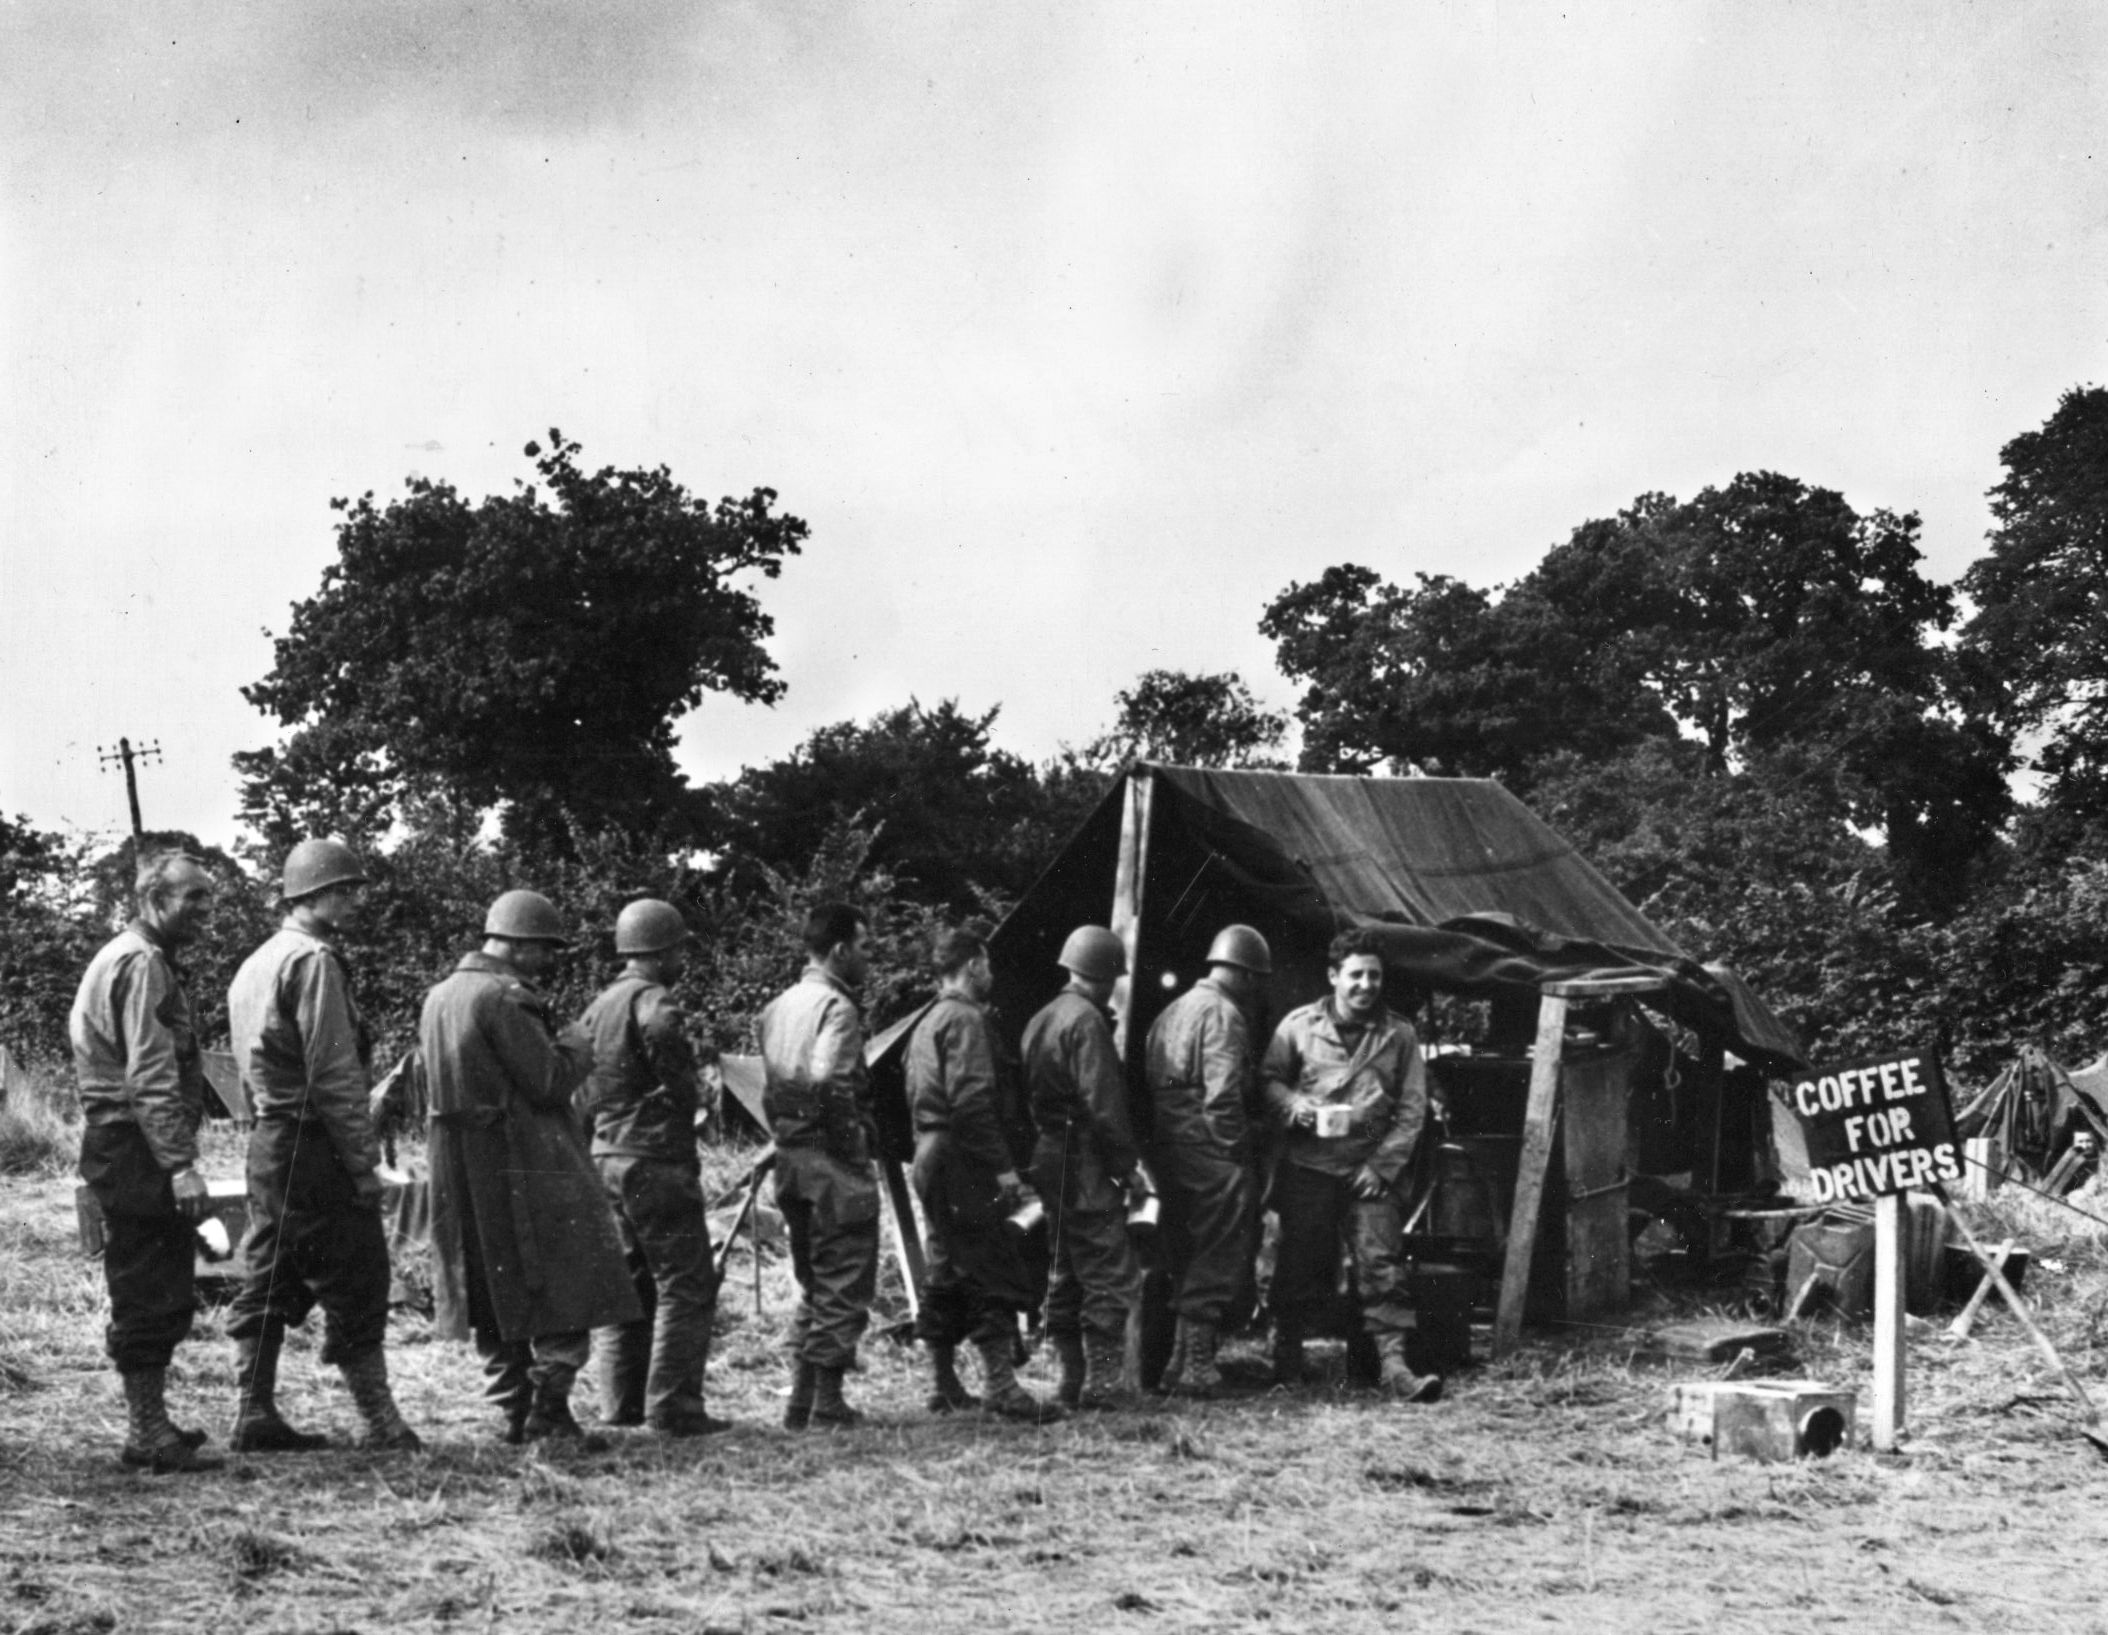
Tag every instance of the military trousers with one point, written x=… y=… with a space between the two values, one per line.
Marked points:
x=1095 y=1283
x=830 y=1213
x=149 y=1257
x=311 y=1241
x=1209 y=1229
x=665 y=1228
x=1318 y=1213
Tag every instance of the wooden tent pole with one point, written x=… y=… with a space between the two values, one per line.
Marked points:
x=1529 y=1179
x=1539 y=1125
x=907 y=1242
x=1130 y=875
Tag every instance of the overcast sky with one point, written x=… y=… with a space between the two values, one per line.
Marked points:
x=1075 y=331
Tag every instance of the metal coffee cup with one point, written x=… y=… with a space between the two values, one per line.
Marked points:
x=1143 y=1212
x=1334 y=1122
x=1027 y=1218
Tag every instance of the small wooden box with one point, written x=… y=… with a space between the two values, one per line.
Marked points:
x=1763 y=1419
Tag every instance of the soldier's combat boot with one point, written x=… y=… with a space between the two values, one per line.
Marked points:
x=549 y=1417
x=1000 y=1392
x=948 y=1392
x=1289 y=1366
x=797 y=1413
x=1398 y=1377
x=1198 y=1375
x=366 y=1374
x=623 y=1354
x=1107 y=1382
x=1068 y=1352
x=257 y=1425
x=829 y=1411
x=680 y=1356
x=151 y=1442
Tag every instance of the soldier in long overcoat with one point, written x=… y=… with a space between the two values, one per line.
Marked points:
x=526 y=1258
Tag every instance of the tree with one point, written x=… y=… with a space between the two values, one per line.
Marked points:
x=950 y=815
x=2039 y=641
x=1756 y=617
x=1446 y=679
x=532 y=653
x=1191 y=720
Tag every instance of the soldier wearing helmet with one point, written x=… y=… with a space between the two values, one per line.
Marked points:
x=1345 y=1079
x=315 y=1235
x=643 y=1098
x=526 y=1260
x=975 y=1281
x=1200 y=1072
x=818 y=1100
x=1086 y=1165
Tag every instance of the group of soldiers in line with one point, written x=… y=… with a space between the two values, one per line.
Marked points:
x=568 y=1219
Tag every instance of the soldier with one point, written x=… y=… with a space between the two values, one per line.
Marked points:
x=526 y=1260
x=142 y=1090
x=975 y=1283
x=1345 y=1080
x=818 y=1101
x=1200 y=1086
x=1086 y=1164
x=315 y=1233
x=644 y=1098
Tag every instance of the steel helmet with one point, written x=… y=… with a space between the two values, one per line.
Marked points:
x=1241 y=945
x=1093 y=953
x=524 y=916
x=316 y=865
x=649 y=926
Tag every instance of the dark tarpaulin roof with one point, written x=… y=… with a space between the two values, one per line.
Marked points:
x=1424 y=851
x=1469 y=887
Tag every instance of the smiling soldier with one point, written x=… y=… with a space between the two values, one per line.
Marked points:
x=1345 y=1079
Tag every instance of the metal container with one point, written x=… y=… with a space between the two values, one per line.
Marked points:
x=1027 y=1218
x=1143 y=1213
x=1765 y=1420
x=1335 y=1122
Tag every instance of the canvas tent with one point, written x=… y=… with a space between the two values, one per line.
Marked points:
x=1470 y=890
x=1472 y=894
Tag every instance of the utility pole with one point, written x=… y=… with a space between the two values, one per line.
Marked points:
x=126 y=754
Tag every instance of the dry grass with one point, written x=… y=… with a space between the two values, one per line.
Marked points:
x=1544 y=1494
x=39 y=1126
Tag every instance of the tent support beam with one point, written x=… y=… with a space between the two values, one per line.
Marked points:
x=1129 y=874
x=1539 y=1127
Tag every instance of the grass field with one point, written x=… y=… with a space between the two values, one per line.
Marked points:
x=1543 y=1493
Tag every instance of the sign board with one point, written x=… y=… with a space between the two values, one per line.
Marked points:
x=1877 y=1127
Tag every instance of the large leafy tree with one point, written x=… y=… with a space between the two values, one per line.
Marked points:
x=1758 y=617
x=1191 y=720
x=2039 y=640
x=1445 y=678
x=950 y=815
x=530 y=653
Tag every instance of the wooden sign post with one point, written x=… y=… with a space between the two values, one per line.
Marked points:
x=1877 y=1130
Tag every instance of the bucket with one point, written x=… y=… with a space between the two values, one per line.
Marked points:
x=1441 y=1296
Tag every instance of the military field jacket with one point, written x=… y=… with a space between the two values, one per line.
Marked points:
x=951 y=1077
x=135 y=1046
x=300 y=1044
x=643 y=1094
x=1376 y=1071
x=1079 y=1101
x=1200 y=1073
x=817 y=1093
